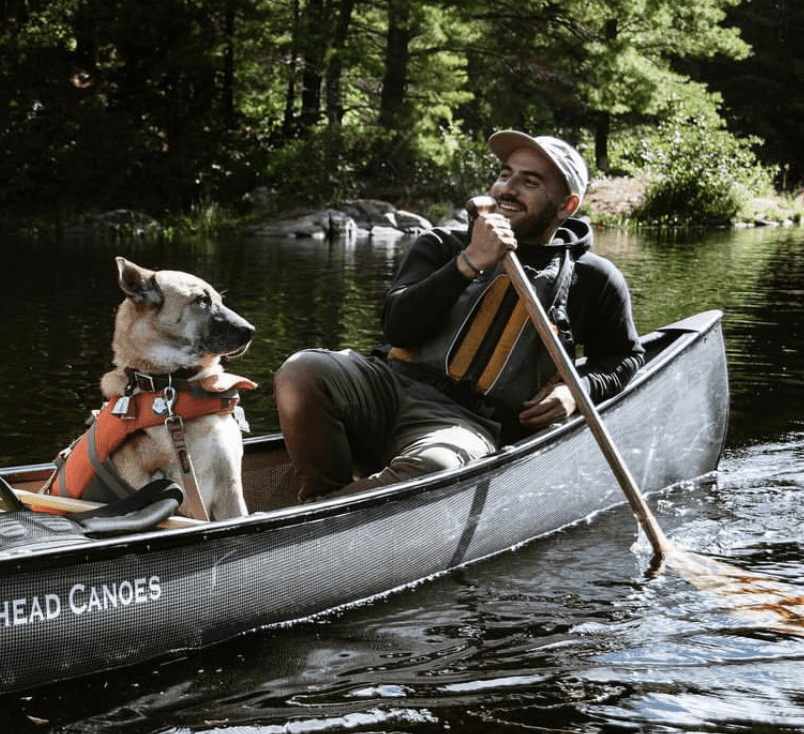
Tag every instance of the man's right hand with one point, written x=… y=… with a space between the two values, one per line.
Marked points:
x=492 y=238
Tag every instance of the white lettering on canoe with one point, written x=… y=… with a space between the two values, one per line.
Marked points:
x=81 y=599
x=28 y=611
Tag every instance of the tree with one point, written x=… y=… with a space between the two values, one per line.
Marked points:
x=337 y=61
x=113 y=103
x=157 y=103
x=592 y=63
x=397 y=58
x=762 y=94
x=315 y=34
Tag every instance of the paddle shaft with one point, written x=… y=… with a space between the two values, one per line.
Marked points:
x=566 y=369
x=569 y=375
x=68 y=504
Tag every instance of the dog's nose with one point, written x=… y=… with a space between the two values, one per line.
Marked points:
x=228 y=330
x=237 y=326
x=247 y=330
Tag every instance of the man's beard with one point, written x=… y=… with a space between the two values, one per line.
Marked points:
x=533 y=231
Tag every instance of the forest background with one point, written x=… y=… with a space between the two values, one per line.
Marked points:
x=179 y=106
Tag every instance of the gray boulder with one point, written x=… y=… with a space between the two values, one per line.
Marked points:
x=350 y=219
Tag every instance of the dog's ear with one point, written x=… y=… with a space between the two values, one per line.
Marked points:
x=138 y=283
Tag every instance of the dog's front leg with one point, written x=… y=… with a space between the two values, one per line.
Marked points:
x=216 y=448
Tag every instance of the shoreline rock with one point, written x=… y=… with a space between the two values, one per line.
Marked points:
x=117 y=221
x=357 y=218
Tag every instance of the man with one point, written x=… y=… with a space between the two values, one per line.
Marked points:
x=466 y=370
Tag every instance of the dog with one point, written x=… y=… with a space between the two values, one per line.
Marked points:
x=171 y=332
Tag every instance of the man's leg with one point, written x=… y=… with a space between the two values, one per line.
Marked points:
x=331 y=404
x=431 y=434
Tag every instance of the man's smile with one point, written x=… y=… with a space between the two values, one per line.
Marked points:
x=510 y=206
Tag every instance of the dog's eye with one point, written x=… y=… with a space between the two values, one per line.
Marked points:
x=203 y=301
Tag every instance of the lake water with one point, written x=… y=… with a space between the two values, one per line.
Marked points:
x=568 y=634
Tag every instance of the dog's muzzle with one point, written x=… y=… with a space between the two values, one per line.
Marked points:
x=229 y=333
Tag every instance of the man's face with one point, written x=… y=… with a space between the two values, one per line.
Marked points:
x=531 y=193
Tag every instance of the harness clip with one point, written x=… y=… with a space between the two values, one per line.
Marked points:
x=163 y=405
x=124 y=408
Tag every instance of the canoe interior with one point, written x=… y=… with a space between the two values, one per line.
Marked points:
x=268 y=479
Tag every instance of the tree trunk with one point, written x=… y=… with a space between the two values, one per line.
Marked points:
x=604 y=117
x=315 y=46
x=602 y=141
x=397 y=56
x=228 y=67
x=335 y=109
x=289 y=120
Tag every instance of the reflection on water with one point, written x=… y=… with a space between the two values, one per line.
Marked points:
x=570 y=633
x=567 y=634
x=756 y=276
x=58 y=301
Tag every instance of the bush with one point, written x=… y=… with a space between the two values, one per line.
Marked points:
x=329 y=166
x=700 y=172
x=455 y=168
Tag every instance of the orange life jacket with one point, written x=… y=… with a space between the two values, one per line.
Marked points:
x=84 y=470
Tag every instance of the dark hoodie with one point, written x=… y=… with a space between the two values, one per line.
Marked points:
x=422 y=303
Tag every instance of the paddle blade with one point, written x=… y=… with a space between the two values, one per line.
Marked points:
x=760 y=599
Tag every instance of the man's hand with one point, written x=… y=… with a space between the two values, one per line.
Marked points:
x=553 y=403
x=492 y=238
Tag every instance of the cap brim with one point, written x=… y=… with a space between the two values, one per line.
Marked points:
x=505 y=142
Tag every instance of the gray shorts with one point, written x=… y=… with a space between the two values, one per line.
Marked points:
x=343 y=414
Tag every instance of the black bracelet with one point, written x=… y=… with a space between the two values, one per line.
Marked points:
x=477 y=271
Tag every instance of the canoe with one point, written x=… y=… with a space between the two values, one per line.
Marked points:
x=74 y=601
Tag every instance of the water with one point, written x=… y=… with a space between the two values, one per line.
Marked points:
x=568 y=634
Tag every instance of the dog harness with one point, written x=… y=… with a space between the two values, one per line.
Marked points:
x=85 y=470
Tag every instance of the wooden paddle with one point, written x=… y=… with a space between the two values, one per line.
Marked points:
x=566 y=369
x=782 y=605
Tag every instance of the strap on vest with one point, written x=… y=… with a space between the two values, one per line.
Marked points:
x=175 y=428
x=104 y=470
x=89 y=457
x=558 y=309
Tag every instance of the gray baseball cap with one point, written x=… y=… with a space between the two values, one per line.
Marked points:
x=565 y=158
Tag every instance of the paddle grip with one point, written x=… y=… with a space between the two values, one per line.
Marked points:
x=478 y=204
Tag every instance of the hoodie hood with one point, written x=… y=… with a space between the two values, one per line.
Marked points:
x=575 y=233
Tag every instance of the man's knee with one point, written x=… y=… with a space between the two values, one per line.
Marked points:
x=447 y=448
x=299 y=369
x=298 y=378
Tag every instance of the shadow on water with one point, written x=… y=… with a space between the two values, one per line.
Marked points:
x=570 y=633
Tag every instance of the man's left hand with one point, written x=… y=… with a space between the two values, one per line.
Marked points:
x=553 y=403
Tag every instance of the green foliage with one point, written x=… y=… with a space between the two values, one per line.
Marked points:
x=763 y=96
x=171 y=105
x=700 y=171
x=327 y=167
x=460 y=167
x=626 y=50
x=318 y=169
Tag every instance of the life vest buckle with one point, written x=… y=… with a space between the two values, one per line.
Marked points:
x=163 y=405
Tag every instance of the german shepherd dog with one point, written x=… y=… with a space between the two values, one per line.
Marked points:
x=172 y=328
